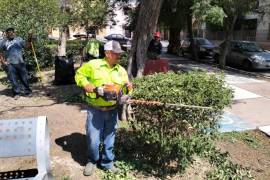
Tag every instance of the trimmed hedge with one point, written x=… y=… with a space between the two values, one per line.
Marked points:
x=166 y=138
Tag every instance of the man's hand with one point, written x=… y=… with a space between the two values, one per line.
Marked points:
x=2 y=60
x=124 y=99
x=5 y=63
x=29 y=39
x=129 y=86
x=89 y=88
x=30 y=36
x=99 y=91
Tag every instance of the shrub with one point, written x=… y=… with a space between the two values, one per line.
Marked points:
x=124 y=60
x=44 y=57
x=75 y=47
x=167 y=137
x=46 y=50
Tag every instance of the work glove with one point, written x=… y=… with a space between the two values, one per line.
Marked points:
x=129 y=86
x=89 y=88
x=30 y=36
x=99 y=91
x=124 y=99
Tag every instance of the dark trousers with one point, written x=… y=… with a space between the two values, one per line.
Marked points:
x=18 y=72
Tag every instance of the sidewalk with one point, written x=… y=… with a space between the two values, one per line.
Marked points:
x=250 y=108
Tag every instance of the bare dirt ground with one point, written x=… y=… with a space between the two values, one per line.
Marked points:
x=66 y=123
x=257 y=158
x=68 y=145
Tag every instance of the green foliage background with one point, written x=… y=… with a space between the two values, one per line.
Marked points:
x=26 y=15
x=35 y=16
x=39 y=16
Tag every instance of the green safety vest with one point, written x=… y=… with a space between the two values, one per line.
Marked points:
x=92 y=48
x=98 y=73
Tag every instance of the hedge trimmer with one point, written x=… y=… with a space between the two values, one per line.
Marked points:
x=157 y=103
x=114 y=92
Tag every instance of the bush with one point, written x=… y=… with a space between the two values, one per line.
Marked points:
x=46 y=50
x=44 y=56
x=167 y=137
x=75 y=47
x=124 y=60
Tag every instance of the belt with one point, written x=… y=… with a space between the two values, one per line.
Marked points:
x=104 y=108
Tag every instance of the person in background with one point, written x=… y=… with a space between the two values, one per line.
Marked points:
x=102 y=80
x=155 y=47
x=94 y=49
x=12 y=57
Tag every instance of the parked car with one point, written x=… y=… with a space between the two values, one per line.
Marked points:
x=204 y=47
x=247 y=55
x=124 y=42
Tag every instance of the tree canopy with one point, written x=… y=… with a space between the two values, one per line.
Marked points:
x=89 y=14
x=25 y=15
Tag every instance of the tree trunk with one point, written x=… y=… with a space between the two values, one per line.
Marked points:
x=62 y=46
x=228 y=37
x=191 y=36
x=145 y=27
x=174 y=40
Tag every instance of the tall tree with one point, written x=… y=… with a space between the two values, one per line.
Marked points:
x=172 y=18
x=82 y=13
x=179 y=14
x=37 y=16
x=174 y=15
x=233 y=9
x=94 y=14
x=145 y=26
x=189 y=21
x=65 y=7
x=202 y=11
x=26 y=15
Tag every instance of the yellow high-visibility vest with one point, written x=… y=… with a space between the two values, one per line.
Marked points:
x=97 y=72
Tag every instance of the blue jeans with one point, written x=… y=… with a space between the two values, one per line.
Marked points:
x=101 y=128
x=15 y=72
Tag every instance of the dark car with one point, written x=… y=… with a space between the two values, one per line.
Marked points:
x=124 y=42
x=204 y=47
x=247 y=55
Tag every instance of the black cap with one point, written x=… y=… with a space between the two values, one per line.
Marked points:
x=10 y=29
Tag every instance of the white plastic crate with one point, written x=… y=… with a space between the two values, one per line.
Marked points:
x=26 y=137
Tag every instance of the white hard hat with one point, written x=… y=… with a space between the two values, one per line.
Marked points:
x=113 y=46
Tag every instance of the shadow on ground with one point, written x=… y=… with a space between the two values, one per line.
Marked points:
x=128 y=149
x=74 y=143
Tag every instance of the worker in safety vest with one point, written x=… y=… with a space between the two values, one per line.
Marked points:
x=106 y=86
x=94 y=49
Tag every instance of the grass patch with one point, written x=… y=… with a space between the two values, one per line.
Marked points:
x=245 y=137
x=124 y=174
